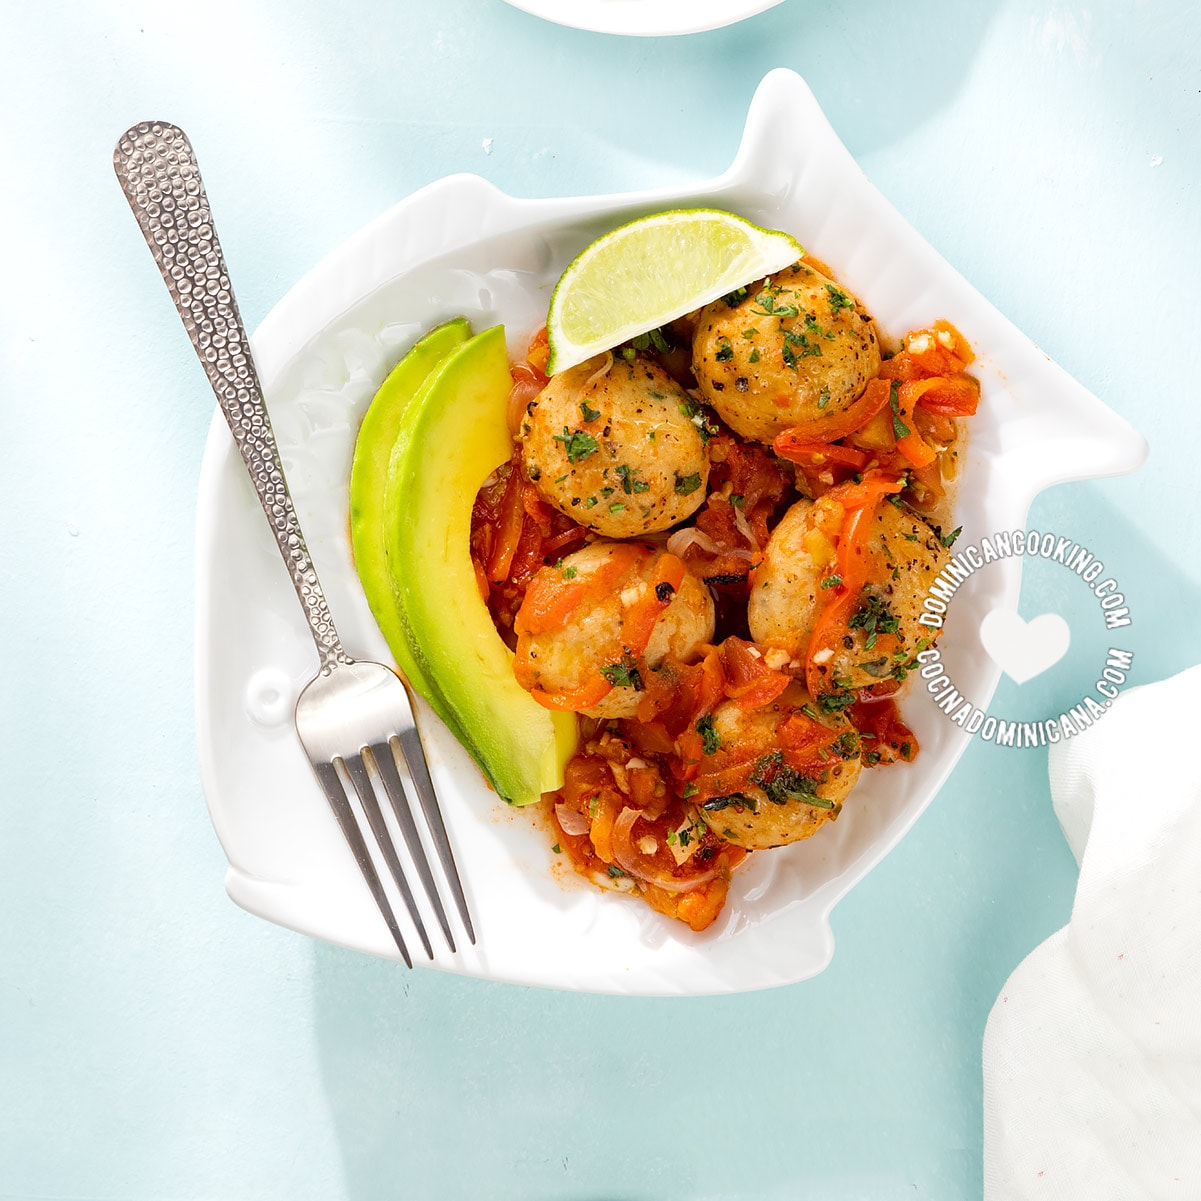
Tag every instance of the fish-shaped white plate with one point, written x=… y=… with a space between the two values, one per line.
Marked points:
x=460 y=246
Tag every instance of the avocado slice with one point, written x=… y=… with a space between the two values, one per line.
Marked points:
x=452 y=436
x=368 y=482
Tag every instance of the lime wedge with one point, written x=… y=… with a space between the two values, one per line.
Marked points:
x=653 y=270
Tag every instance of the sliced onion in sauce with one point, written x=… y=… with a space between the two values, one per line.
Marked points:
x=572 y=821
x=621 y=777
x=681 y=540
x=744 y=527
x=527 y=386
x=643 y=867
x=600 y=372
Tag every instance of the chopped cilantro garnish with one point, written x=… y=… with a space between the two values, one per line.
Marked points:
x=687 y=483
x=839 y=300
x=877 y=667
x=577 y=443
x=624 y=674
x=793 y=342
x=846 y=746
x=589 y=414
x=710 y=741
x=948 y=540
x=808 y=349
x=629 y=481
x=724 y=352
x=899 y=428
x=874 y=617
x=700 y=419
x=767 y=298
x=832 y=581
x=816 y=330
x=738 y=799
x=782 y=783
x=697 y=415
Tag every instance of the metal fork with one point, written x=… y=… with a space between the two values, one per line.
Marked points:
x=354 y=719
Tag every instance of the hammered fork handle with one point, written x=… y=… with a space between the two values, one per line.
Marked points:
x=161 y=180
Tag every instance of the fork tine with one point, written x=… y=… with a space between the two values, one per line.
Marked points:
x=331 y=784
x=414 y=756
x=362 y=785
x=385 y=763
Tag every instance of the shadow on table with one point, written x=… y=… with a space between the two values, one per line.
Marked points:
x=878 y=71
x=854 y=55
x=446 y=1088
x=443 y=1087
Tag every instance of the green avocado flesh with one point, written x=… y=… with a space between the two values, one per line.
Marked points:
x=450 y=437
x=368 y=482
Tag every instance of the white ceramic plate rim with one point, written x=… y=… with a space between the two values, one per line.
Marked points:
x=1038 y=427
x=644 y=18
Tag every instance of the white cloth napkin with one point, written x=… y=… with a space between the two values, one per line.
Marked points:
x=1092 y=1053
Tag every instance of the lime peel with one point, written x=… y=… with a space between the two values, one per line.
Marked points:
x=651 y=271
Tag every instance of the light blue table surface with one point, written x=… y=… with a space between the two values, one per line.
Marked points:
x=157 y=1042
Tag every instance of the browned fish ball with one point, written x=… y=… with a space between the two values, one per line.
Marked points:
x=751 y=818
x=795 y=348
x=612 y=444
x=904 y=556
x=566 y=658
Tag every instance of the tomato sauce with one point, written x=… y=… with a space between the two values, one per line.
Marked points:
x=634 y=813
